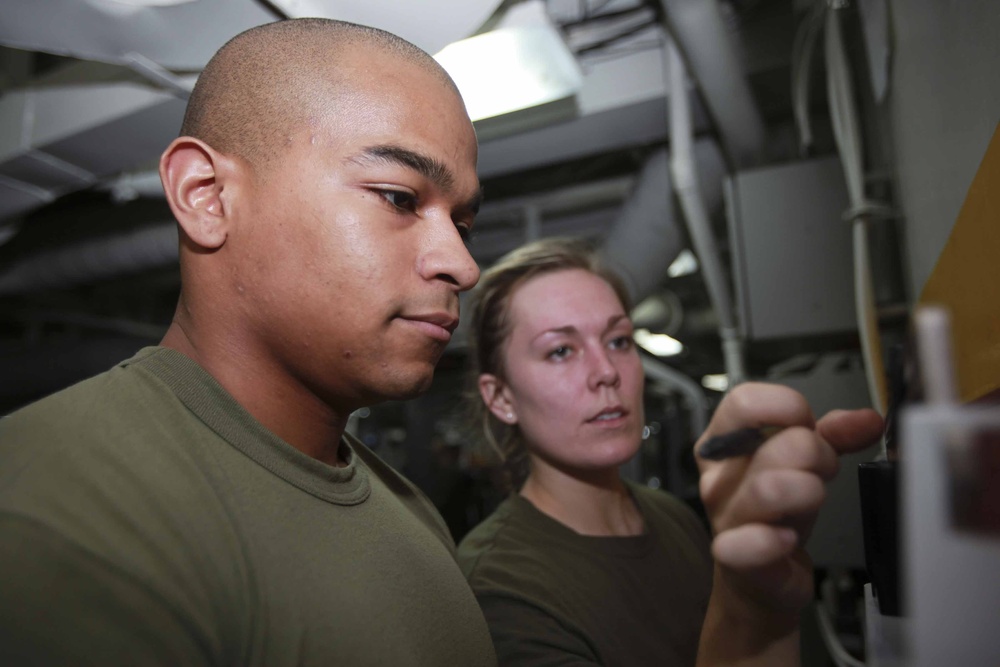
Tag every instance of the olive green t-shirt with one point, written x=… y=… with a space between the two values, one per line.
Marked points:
x=554 y=597
x=147 y=519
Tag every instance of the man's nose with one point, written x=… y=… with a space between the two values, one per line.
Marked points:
x=448 y=259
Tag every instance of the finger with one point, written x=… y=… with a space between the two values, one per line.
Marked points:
x=753 y=546
x=850 y=430
x=749 y=405
x=797 y=448
x=755 y=404
x=789 y=498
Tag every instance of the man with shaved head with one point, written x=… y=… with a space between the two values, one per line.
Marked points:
x=200 y=503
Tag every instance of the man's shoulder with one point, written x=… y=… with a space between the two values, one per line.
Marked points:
x=93 y=404
x=113 y=453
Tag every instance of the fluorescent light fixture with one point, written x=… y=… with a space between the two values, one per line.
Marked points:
x=685 y=264
x=661 y=345
x=716 y=382
x=511 y=69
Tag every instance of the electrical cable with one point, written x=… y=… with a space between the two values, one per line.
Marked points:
x=847 y=134
x=837 y=651
x=590 y=17
x=803 y=47
x=686 y=186
x=596 y=46
x=633 y=47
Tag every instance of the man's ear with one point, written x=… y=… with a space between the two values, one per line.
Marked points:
x=193 y=174
x=497 y=398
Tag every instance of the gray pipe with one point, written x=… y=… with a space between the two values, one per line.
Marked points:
x=715 y=62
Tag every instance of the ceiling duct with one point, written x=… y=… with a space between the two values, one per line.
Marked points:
x=183 y=36
x=646 y=237
x=54 y=140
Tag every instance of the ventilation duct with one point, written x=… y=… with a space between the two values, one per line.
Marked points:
x=65 y=138
x=646 y=237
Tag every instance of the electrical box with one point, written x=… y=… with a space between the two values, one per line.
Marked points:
x=792 y=251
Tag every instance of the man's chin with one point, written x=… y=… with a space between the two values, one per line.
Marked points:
x=409 y=384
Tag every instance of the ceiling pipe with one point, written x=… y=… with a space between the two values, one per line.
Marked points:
x=686 y=184
x=716 y=64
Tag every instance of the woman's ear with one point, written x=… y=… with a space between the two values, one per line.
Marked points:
x=192 y=174
x=497 y=398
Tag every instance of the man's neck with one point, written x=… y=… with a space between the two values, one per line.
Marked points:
x=273 y=398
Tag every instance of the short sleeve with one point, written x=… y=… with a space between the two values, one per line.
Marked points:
x=526 y=636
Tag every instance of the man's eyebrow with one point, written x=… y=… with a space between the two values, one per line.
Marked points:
x=426 y=166
x=432 y=169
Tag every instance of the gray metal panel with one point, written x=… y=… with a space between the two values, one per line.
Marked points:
x=792 y=251
x=836 y=382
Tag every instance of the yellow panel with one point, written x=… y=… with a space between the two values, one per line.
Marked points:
x=966 y=280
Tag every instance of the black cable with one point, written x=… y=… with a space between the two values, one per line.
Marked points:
x=590 y=18
x=620 y=36
x=611 y=54
x=279 y=14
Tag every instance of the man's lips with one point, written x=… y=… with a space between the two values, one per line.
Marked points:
x=436 y=325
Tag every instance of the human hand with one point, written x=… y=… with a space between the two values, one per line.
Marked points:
x=763 y=506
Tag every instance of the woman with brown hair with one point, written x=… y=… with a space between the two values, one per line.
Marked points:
x=580 y=567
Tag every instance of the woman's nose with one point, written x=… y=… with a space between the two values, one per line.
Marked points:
x=604 y=372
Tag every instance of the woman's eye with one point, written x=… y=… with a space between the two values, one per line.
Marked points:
x=405 y=201
x=560 y=352
x=621 y=343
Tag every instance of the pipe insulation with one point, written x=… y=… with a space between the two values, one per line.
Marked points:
x=718 y=67
x=685 y=176
x=646 y=236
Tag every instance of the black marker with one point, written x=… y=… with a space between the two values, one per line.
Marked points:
x=742 y=442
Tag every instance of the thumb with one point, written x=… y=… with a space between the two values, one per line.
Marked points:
x=850 y=430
